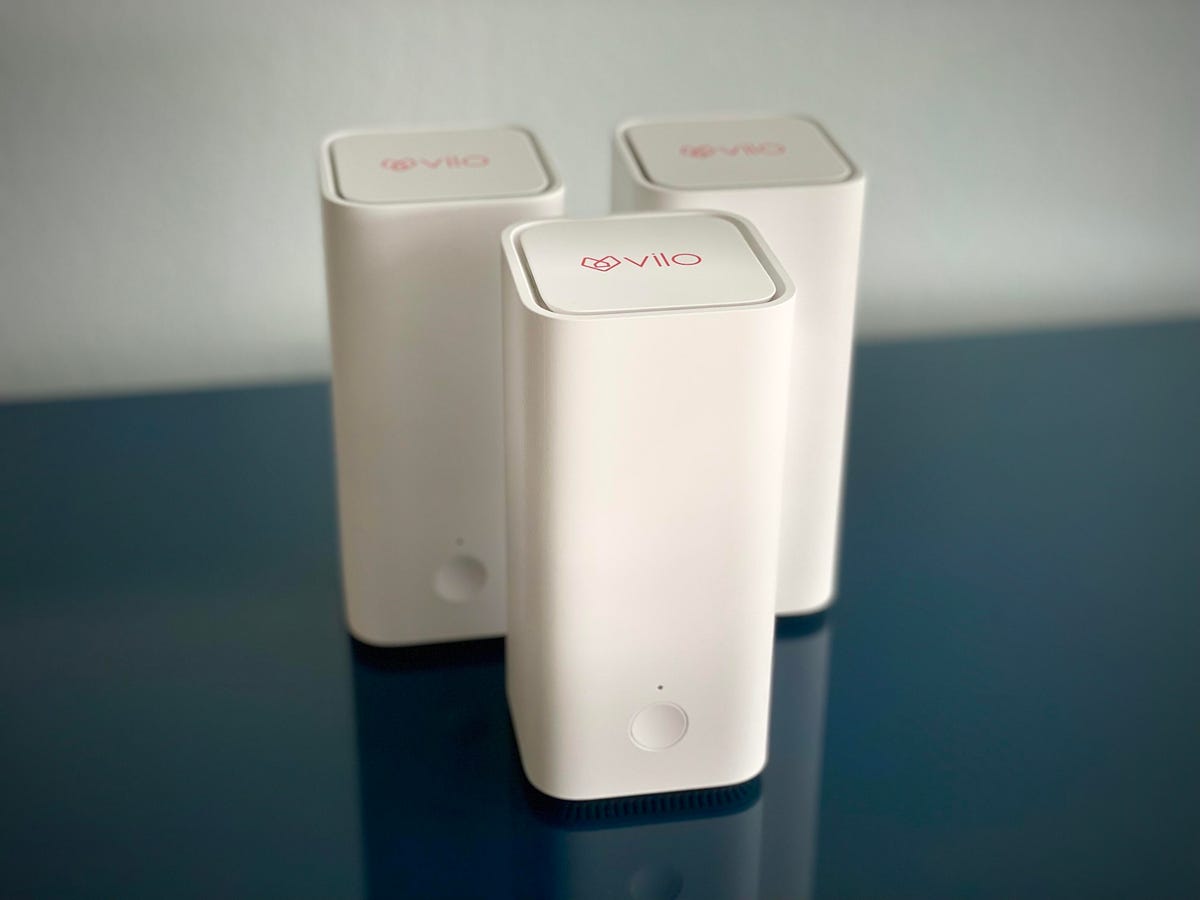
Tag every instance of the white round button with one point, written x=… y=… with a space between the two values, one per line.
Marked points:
x=460 y=579
x=659 y=726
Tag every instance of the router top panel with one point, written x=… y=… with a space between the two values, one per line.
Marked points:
x=732 y=153
x=430 y=166
x=629 y=264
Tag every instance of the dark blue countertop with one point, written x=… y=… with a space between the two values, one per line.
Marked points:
x=1004 y=702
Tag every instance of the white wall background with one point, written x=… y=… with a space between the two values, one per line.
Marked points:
x=1030 y=164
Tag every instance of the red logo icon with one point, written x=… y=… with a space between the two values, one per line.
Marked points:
x=405 y=163
x=661 y=261
x=704 y=151
x=603 y=264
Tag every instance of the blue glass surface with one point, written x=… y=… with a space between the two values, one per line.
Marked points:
x=1004 y=702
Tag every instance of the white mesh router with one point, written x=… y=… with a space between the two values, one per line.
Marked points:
x=787 y=176
x=646 y=380
x=412 y=220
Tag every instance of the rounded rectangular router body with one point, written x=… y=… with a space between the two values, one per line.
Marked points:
x=646 y=376
x=411 y=221
x=792 y=181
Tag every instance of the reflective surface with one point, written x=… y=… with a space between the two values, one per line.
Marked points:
x=1004 y=702
x=459 y=820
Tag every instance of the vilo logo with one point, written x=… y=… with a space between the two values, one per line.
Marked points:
x=405 y=163
x=660 y=260
x=704 y=151
x=603 y=264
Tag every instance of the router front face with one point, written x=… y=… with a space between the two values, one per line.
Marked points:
x=646 y=377
x=786 y=175
x=411 y=220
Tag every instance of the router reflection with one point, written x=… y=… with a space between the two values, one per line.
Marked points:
x=446 y=810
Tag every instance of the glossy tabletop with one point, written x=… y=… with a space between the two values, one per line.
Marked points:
x=1004 y=702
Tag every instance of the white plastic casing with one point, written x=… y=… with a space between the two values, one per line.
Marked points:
x=645 y=444
x=411 y=221
x=786 y=175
